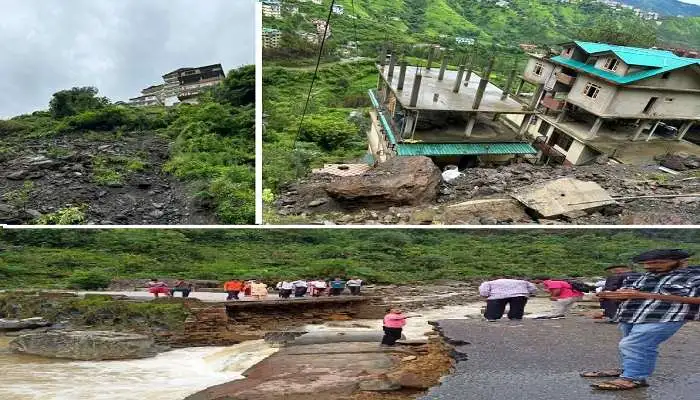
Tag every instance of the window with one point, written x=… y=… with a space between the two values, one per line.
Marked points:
x=561 y=140
x=650 y=105
x=544 y=127
x=665 y=75
x=591 y=90
x=567 y=52
x=611 y=64
x=538 y=69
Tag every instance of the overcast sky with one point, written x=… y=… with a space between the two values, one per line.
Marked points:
x=119 y=46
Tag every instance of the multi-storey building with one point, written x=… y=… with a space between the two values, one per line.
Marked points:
x=271 y=38
x=272 y=8
x=321 y=28
x=183 y=84
x=629 y=104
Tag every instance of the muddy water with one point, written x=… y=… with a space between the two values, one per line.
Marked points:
x=172 y=375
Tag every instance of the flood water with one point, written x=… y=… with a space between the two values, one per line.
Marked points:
x=171 y=375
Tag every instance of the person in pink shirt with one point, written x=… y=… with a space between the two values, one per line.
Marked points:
x=562 y=295
x=394 y=322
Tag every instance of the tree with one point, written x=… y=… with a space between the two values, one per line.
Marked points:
x=238 y=88
x=76 y=100
x=622 y=32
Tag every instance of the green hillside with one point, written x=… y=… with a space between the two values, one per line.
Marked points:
x=84 y=258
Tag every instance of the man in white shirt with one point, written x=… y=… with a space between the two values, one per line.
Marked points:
x=354 y=284
x=285 y=289
x=300 y=287
x=505 y=291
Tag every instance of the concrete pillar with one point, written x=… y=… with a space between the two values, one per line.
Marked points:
x=469 y=73
x=470 y=125
x=651 y=132
x=509 y=84
x=458 y=81
x=520 y=87
x=416 y=89
x=392 y=64
x=408 y=126
x=402 y=75
x=524 y=124
x=443 y=67
x=639 y=130
x=430 y=57
x=536 y=97
x=482 y=84
x=596 y=126
x=684 y=129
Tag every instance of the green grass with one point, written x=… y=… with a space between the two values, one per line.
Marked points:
x=63 y=258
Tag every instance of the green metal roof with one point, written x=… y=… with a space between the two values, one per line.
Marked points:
x=462 y=149
x=658 y=61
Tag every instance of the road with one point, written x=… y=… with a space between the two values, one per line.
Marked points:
x=539 y=359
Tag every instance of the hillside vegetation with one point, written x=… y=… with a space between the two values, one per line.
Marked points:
x=91 y=258
x=209 y=147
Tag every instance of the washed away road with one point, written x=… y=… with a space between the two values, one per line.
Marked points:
x=539 y=359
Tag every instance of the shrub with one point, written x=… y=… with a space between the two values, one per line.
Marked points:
x=327 y=130
x=89 y=280
x=64 y=216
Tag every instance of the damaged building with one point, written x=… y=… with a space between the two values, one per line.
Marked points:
x=624 y=103
x=182 y=85
x=454 y=117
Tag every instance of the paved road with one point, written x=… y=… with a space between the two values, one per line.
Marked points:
x=542 y=359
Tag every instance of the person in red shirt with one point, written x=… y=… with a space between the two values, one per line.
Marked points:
x=394 y=322
x=562 y=295
x=156 y=288
x=233 y=288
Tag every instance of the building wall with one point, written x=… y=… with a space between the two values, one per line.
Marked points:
x=631 y=103
x=600 y=104
x=529 y=74
x=685 y=78
x=579 y=153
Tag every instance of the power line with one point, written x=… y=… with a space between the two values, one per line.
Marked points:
x=318 y=63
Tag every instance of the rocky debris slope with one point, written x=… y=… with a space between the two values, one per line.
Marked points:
x=85 y=345
x=112 y=180
x=492 y=187
x=9 y=325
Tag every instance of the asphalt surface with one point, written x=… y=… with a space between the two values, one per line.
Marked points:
x=538 y=359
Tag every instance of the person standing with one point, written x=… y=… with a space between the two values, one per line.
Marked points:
x=654 y=307
x=300 y=287
x=394 y=321
x=258 y=290
x=562 y=295
x=232 y=289
x=504 y=291
x=285 y=289
x=354 y=285
x=318 y=287
x=337 y=286
x=617 y=274
x=181 y=286
x=157 y=287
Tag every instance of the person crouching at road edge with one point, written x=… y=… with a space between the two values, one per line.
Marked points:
x=502 y=291
x=394 y=321
x=562 y=294
x=300 y=287
x=654 y=307
x=355 y=285
x=233 y=288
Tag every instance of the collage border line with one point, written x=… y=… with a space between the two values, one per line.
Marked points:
x=404 y=227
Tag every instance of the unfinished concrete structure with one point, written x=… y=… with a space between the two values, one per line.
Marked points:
x=627 y=103
x=450 y=116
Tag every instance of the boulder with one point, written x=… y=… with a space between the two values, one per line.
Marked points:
x=399 y=181
x=85 y=345
x=499 y=210
x=21 y=324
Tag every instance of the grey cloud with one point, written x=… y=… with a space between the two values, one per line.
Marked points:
x=119 y=46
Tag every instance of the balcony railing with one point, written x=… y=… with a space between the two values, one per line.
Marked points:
x=568 y=80
x=552 y=103
x=386 y=126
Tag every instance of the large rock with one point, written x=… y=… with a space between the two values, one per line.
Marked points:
x=399 y=181
x=20 y=324
x=85 y=345
x=495 y=210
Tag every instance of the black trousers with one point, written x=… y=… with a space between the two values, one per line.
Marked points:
x=185 y=291
x=232 y=295
x=285 y=293
x=299 y=291
x=496 y=308
x=336 y=291
x=354 y=290
x=609 y=307
x=391 y=335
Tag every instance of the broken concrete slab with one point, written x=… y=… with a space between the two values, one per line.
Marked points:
x=561 y=196
x=497 y=209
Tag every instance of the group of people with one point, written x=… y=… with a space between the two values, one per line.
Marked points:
x=648 y=307
x=157 y=287
x=298 y=288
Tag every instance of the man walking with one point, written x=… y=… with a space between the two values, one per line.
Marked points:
x=562 y=294
x=616 y=276
x=654 y=307
x=502 y=291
